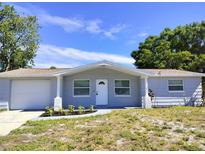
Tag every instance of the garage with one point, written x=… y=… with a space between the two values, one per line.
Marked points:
x=30 y=94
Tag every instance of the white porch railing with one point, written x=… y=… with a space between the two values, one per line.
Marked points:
x=174 y=101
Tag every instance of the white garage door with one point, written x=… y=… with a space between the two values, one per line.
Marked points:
x=30 y=94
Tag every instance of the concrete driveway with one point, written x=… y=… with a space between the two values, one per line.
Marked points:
x=10 y=120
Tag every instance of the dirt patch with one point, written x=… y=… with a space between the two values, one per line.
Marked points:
x=176 y=131
x=120 y=141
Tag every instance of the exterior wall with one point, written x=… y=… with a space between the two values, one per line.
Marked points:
x=110 y=75
x=192 y=91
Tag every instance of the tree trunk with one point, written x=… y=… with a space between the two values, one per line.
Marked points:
x=8 y=65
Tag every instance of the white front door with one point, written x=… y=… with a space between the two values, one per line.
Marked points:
x=101 y=92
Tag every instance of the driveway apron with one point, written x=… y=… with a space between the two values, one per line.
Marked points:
x=10 y=120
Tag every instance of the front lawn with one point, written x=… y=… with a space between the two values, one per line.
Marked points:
x=176 y=128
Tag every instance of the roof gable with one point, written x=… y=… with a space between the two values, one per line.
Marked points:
x=106 y=64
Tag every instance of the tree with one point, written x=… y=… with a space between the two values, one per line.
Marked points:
x=19 y=39
x=52 y=67
x=179 y=48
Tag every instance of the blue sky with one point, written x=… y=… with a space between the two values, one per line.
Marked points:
x=73 y=34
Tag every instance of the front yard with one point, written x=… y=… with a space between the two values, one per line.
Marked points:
x=176 y=128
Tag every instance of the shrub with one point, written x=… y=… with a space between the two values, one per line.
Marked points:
x=49 y=111
x=81 y=109
x=65 y=113
x=91 y=108
x=60 y=111
x=71 y=108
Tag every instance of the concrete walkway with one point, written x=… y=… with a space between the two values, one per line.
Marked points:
x=99 y=112
x=10 y=120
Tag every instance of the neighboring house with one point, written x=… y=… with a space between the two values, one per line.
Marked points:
x=103 y=84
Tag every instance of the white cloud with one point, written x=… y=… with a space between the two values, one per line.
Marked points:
x=23 y=10
x=143 y=34
x=110 y=33
x=94 y=27
x=134 y=40
x=58 y=65
x=71 y=24
x=49 y=55
x=68 y=24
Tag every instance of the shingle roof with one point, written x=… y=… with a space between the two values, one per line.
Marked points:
x=46 y=72
x=171 y=72
x=30 y=72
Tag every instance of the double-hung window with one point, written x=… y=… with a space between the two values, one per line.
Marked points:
x=122 y=87
x=81 y=88
x=175 y=85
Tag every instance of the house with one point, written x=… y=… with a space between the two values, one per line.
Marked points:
x=103 y=84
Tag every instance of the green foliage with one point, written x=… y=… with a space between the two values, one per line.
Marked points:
x=1 y=110
x=71 y=108
x=179 y=48
x=91 y=108
x=52 y=67
x=81 y=109
x=60 y=111
x=19 y=39
x=49 y=111
x=65 y=113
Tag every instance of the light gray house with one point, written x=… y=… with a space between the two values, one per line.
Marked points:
x=103 y=84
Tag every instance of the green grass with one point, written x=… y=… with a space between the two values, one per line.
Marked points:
x=130 y=129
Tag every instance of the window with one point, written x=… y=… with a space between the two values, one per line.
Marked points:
x=81 y=87
x=175 y=85
x=122 y=87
